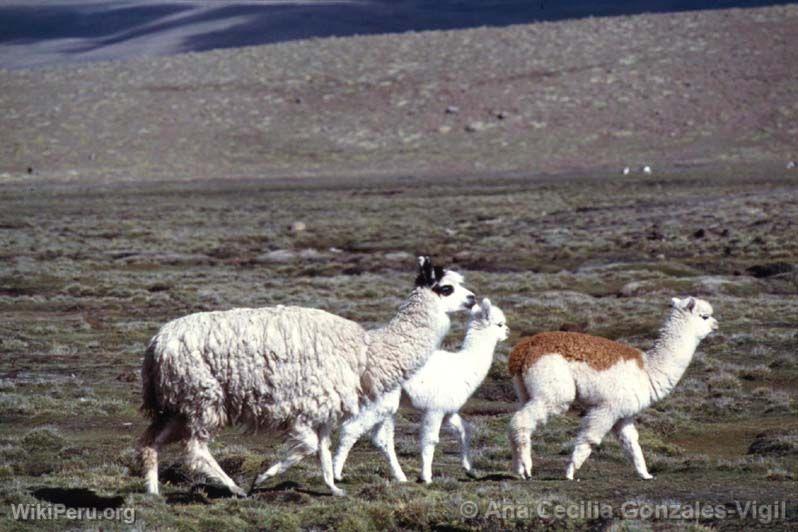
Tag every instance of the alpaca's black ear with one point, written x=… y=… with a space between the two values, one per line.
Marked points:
x=425 y=272
x=438 y=273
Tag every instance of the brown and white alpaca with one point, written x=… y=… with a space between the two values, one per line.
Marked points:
x=611 y=381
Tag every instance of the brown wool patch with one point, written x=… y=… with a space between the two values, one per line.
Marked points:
x=599 y=353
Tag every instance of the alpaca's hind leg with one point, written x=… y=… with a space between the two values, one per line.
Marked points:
x=626 y=432
x=595 y=425
x=305 y=441
x=148 y=457
x=383 y=439
x=325 y=457
x=430 y=432
x=200 y=459
x=158 y=434
x=523 y=423
x=551 y=389
x=520 y=389
x=458 y=426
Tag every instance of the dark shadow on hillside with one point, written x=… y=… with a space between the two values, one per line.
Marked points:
x=284 y=23
x=85 y=31
x=27 y=24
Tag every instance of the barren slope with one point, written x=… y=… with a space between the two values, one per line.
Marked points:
x=667 y=89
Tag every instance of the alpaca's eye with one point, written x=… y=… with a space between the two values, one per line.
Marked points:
x=446 y=290
x=705 y=316
x=500 y=324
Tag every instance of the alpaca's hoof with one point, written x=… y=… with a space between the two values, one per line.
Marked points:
x=471 y=473
x=338 y=478
x=422 y=480
x=238 y=492
x=647 y=476
x=570 y=472
x=401 y=478
x=338 y=492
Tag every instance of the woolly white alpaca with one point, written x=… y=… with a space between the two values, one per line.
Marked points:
x=439 y=389
x=611 y=381
x=289 y=368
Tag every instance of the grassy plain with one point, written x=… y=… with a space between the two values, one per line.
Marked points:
x=89 y=272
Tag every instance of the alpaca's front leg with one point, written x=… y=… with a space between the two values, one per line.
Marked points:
x=430 y=430
x=627 y=435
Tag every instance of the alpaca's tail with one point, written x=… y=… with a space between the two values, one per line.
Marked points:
x=520 y=389
x=149 y=369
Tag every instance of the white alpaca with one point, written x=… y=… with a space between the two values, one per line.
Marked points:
x=611 y=381
x=293 y=369
x=438 y=390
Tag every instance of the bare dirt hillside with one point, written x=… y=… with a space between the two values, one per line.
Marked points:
x=665 y=89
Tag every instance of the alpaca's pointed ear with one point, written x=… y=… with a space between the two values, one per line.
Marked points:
x=439 y=273
x=687 y=303
x=425 y=273
x=486 y=306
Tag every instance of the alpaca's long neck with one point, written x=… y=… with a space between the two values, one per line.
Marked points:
x=672 y=353
x=397 y=350
x=477 y=352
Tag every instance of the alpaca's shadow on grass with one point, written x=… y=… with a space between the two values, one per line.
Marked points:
x=77 y=498
x=489 y=477
x=200 y=493
x=187 y=498
x=285 y=487
x=503 y=477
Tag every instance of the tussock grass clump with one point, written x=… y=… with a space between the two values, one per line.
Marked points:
x=44 y=439
x=776 y=442
x=781 y=474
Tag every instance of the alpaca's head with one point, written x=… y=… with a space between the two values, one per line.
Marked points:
x=489 y=319
x=696 y=315
x=446 y=285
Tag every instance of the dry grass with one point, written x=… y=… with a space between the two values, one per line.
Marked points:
x=92 y=272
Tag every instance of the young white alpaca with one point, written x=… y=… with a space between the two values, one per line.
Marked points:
x=611 y=381
x=289 y=368
x=439 y=389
